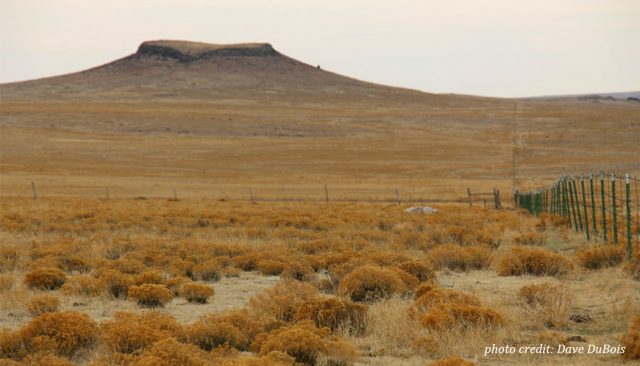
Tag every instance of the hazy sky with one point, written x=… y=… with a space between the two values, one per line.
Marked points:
x=485 y=47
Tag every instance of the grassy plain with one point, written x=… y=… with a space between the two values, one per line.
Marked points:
x=373 y=275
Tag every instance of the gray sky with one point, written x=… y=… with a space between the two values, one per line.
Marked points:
x=489 y=47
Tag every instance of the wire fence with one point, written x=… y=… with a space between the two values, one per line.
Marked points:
x=604 y=208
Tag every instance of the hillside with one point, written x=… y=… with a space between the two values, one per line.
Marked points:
x=215 y=120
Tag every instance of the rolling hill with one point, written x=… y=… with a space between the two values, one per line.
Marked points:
x=214 y=120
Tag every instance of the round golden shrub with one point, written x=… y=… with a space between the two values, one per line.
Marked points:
x=150 y=296
x=45 y=279
x=70 y=331
x=210 y=270
x=170 y=352
x=116 y=283
x=631 y=340
x=82 y=285
x=369 y=283
x=451 y=316
x=601 y=256
x=451 y=361
x=195 y=292
x=533 y=261
x=128 y=332
x=6 y=282
x=43 y=304
x=333 y=313
x=422 y=270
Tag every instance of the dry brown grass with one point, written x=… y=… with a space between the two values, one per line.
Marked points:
x=631 y=340
x=428 y=314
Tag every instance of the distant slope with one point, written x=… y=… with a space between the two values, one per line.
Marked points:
x=180 y=70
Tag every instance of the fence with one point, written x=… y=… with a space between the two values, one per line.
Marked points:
x=603 y=210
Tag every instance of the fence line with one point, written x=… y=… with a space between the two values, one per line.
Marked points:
x=614 y=214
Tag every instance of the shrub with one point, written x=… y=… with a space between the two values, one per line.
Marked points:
x=298 y=270
x=6 y=282
x=195 y=292
x=45 y=279
x=333 y=313
x=633 y=267
x=530 y=238
x=150 y=296
x=207 y=271
x=235 y=329
x=151 y=276
x=209 y=333
x=43 y=304
x=82 y=285
x=74 y=264
x=429 y=295
x=480 y=256
x=282 y=300
x=533 y=261
x=631 y=340
x=550 y=303
x=170 y=352
x=67 y=331
x=422 y=270
x=452 y=316
x=116 y=283
x=451 y=256
x=601 y=256
x=369 y=283
x=44 y=359
x=270 y=266
x=451 y=361
x=129 y=333
x=306 y=343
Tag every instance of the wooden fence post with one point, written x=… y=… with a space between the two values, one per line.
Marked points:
x=33 y=189
x=603 y=204
x=469 y=193
x=250 y=194
x=614 y=207
x=584 y=205
x=175 y=195
x=517 y=199
x=326 y=193
x=397 y=196
x=628 y=196
x=107 y=191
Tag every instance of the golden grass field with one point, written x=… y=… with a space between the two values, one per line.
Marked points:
x=364 y=284
x=211 y=278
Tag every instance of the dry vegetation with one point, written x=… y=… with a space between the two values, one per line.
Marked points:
x=359 y=284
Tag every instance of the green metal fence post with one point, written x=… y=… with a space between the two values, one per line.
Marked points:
x=614 y=207
x=603 y=206
x=628 y=196
x=584 y=206
x=577 y=201
x=573 y=206
x=593 y=206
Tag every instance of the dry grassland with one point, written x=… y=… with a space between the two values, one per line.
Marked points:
x=197 y=282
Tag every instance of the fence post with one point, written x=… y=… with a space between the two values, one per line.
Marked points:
x=469 y=193
x=516 y=199
x=577 y=199
x=593 y=206
x=565 y=200
x=397 y=196
x=614 y=207
x=175 y=195
x=250 y=194
x=628 y=195
x=326 y=193
x=584 y=205
x=108 y=196
x=573 y=205
x=603 y=204
x=33 y=189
